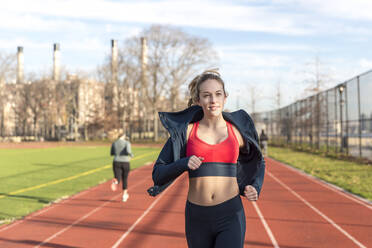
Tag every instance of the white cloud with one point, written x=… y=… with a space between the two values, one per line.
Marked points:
x=345 y=9
x=365 y=63
x=11 y=44
x=241 y=59
x=75 y=15
x=32 y=22
x=205 y=14
x=266 y=47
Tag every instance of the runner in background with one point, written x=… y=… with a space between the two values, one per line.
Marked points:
x=263 y=142
x=122 y=152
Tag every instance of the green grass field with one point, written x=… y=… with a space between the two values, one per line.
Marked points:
x=32 y=178
x=353 y=177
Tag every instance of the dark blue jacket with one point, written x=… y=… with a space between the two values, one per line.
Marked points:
x=172 y=160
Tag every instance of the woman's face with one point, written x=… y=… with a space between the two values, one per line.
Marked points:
x=211 y=97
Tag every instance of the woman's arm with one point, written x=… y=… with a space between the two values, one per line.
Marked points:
x=165 y=168
x=251 y=192
x=129 y=149
x=112 y=152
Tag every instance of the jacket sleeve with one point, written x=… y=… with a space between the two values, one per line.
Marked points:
x=129 y=149
x=165 y=168
x=259 y=178
x=255 y=160
x=112 y=152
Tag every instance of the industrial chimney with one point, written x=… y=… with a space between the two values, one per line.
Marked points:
x=56 y=62
x=143 y=60
x=114 y=61
x=20 y=64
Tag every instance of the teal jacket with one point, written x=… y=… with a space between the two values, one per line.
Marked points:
x=172 y=160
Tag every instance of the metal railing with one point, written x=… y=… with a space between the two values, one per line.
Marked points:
x=337 y=120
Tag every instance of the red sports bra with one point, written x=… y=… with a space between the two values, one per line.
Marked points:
x=226 y=151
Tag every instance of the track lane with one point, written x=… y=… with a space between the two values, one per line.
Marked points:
x=62 y=214
x=345 y=213
x=291 y=221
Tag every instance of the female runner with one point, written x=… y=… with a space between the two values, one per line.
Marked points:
x=220 y=151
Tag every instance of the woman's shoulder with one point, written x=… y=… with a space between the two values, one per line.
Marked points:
x=189 y=128
x=238 y=135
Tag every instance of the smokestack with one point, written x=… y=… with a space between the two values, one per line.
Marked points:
x=56 y=62
x=143 y=54
x=20 y=64
x=114 y=61
x=143 y=60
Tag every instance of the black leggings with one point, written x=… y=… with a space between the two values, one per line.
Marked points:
x=218 y=226
x=121 y=171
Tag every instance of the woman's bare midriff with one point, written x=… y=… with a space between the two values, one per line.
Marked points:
x=210 y=191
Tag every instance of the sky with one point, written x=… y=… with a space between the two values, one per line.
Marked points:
x=262 y=45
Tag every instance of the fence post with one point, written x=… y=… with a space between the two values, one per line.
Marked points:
x=327 y=121
x=346 y=139
x=336 y=131
x=341 y=90
x=359 y=118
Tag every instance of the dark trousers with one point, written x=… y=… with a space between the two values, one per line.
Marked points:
x=218 y=226
x=121 y=171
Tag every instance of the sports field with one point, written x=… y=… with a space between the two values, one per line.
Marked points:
x=31 y=178
x=294 y=209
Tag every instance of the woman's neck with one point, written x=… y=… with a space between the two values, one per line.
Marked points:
x=213 y=122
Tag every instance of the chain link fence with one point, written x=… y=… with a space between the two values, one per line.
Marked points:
x=338 y=120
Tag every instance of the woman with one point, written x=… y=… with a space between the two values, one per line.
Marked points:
x=221 y=153
x=122 y=152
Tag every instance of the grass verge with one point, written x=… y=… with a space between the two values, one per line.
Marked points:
x=33 y=178
x=351 y=176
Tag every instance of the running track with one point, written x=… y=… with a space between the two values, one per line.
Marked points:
x=294 y=211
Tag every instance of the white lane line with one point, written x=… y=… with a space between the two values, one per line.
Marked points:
x=55 y=204
x=88 y=214
x=318 y=212
x=46 y=209
x=330 y=186
x=85 y=216
x=75 y=222
x=264 y=223
x=142 y=216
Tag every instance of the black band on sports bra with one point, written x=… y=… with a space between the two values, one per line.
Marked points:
x=214 y=169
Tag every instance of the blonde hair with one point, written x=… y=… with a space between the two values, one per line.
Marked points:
x=194 y=85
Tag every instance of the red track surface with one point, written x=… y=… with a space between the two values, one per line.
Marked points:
x=294 y=211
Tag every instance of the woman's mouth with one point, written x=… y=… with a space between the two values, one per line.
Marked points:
x=212 y=108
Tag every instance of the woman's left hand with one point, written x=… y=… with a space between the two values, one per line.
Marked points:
x=251 y=193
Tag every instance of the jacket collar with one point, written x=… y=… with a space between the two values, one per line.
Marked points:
x=176 y=122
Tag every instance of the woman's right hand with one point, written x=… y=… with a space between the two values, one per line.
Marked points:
x=194 y=162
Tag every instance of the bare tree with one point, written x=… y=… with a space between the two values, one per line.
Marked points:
x=7 y=67
x=7 y=72
x=278 y=96
x=119 y=94
x=254 y=96
x=35 y=103
x=317 y=78
x=22 y=96
x=173 y=56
